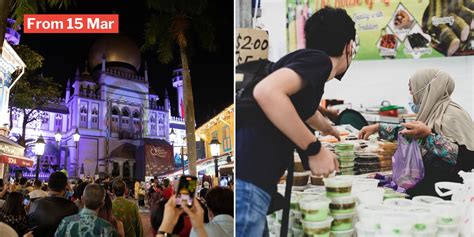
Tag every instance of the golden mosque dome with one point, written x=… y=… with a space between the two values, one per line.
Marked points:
x=117 y=49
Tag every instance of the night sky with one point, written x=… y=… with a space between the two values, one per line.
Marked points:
x=211 y=72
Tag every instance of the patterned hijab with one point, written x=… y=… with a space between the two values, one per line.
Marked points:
x=432 y=89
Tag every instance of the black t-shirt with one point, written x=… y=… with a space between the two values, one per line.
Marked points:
x=46 y=214
x=263 y=151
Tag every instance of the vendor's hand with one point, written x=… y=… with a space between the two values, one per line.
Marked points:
x=416 y=129
x=366 y=131
x=324 y=163
x=171 y=215
x=196 y=214
x=333 y=132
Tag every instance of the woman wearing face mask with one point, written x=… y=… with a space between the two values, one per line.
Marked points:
x=444 y=129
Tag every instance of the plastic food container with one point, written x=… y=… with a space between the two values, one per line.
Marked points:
x=342 y=205
x=297 y=217
x=429 y=233
x=314 y=209
x=363 y=230
x=370 y=196
x=342 y=221
x=426 y=200
x=396 y=223
x=316 y=190
x=300 y=178
x=361 y=183
x=318 y=229
x=423 y=219
x=343 y=233
x=448 y=213
x=399 y=203
x=294 y=202
x=317 y=180
x=297 y=232
x=370 y=215
x=338 y=187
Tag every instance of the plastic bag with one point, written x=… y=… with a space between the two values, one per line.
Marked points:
x=408 y=167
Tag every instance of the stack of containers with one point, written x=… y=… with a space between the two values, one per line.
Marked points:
x=315 y=217
x=342 y=206
x=367 y=162
x=386 y=151
x=345 y=155
x=407 y=218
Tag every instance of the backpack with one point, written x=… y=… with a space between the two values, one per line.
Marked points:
x=254 y=72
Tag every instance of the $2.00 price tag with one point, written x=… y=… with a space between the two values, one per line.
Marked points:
x=251 y=45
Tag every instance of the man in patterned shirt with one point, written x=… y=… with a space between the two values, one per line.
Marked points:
x=126 y=211
x=87 y=223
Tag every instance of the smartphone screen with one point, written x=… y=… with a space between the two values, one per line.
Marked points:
x=26 y=201
x=186 y=189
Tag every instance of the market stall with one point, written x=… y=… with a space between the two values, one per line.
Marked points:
x=11 y=155
x=364 y=200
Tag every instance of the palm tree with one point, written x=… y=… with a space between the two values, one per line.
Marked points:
x=172 y=25
x=18 y=8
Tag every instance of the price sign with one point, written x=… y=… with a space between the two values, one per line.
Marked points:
x=251 y=45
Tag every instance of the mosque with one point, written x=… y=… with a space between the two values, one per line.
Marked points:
x=124 y=128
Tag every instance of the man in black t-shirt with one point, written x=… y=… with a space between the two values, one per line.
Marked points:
x=284 y=115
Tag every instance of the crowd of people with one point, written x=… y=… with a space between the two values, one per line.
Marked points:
x=108 y=207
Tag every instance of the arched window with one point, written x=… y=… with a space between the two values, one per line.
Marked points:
x=226 y=140
x=58 y=122
x=153 y=124
x=125 y=118
x=45 y=121
x=83 y=117
x=95 y=117
x=115 y=119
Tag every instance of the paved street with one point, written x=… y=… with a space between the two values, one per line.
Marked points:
x=147 y=229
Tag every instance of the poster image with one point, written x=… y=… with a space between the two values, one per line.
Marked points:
x=396 y=29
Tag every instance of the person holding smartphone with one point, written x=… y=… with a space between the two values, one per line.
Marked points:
x=13 y=213
x=284 y=114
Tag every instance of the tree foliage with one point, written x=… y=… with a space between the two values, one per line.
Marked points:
x=32 y=91
x=178 y=23
x=21 y=7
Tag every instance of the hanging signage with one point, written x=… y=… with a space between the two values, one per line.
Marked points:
x=251 y=45
x=396 y=29
x=18 y=161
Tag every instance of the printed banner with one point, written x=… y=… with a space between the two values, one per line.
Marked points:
x=396 y=29
x=158 y=158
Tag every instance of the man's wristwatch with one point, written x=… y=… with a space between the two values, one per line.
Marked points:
x=312 y=149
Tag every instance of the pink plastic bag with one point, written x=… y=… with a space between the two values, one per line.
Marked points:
x=408 y=167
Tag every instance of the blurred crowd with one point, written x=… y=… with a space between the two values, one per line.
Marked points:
x=110 y=207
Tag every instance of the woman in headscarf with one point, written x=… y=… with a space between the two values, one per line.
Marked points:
x=444 y=129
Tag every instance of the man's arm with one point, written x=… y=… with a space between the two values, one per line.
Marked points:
x=320 y=123
x=273 y=96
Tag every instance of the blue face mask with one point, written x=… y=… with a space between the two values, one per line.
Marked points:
x=414 y=107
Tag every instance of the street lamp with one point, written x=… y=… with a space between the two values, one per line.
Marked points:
x=58 y=137
x=172 y=136
x=39 y=150
x=215 y=150
x=76 y=136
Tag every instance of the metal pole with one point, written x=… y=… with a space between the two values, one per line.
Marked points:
x=38 y=159
x=77 y=160
x=244 y=13
x=216 y=167
x=182 y=157
x=58 y=154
